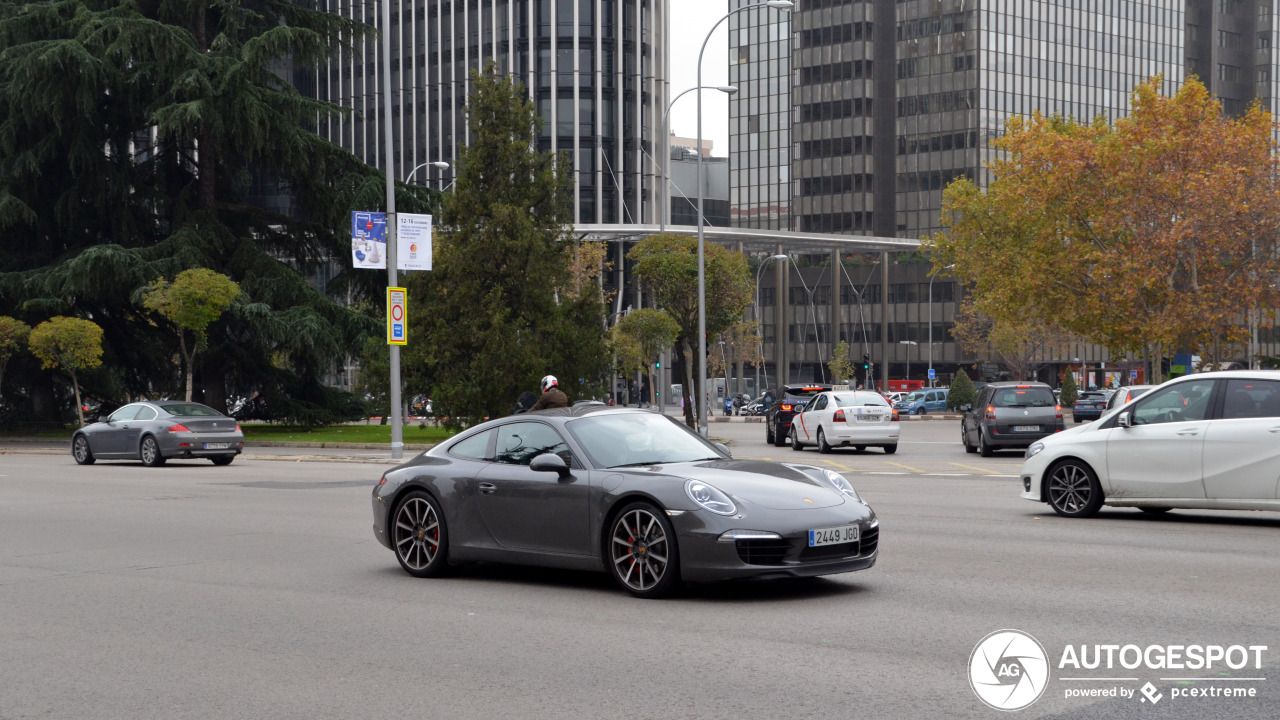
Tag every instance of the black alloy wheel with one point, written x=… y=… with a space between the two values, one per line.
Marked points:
x=80 y=450
x=823 y=446
x=419 y=536
x=149 y=451
x=1074 y=490
x=643 y=556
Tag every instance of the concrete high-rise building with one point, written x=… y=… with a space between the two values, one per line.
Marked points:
x=595 y=69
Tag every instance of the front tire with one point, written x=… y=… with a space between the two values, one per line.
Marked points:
x=149 y=451
x=823 y=446
x=80 y=450
x=419 y=536
x=795 y=440
x=923 y=411
x=643 y=556
x=1074 y=490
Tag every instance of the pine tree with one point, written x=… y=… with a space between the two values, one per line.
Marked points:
x=962 y=391
x=1070 y=393
x=501 y=308
x=138 y=140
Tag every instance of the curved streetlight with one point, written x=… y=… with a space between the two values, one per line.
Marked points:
x=759 y=319
x=438 y=164
x=702 y=399
x=664 y=212
x=931 y=279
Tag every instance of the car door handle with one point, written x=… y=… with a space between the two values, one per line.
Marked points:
x=1275 y=429
x=488 y=488
x=1189 y=431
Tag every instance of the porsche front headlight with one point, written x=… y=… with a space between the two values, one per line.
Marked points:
x=710 y=498
x=842 y=484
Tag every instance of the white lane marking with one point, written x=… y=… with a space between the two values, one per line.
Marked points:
x=1004 y=476
x=888 y=473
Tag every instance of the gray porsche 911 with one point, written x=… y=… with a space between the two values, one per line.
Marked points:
x=156 y=431
x=625 y=491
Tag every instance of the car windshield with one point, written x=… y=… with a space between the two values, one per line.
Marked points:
x=913 y=397
x=619 y=440
x=190 y=409
x=859 y=399
x=1023 y=397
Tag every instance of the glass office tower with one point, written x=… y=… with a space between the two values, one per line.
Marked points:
x=596 y=69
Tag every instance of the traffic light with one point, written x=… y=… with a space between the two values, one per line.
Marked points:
x=658 y=364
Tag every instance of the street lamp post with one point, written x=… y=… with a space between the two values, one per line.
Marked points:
x=931 y=279
x=702 y=258
x=760 y=320
x=908 y=342
x=664 y=212
x=397 y=427
x=438 y=164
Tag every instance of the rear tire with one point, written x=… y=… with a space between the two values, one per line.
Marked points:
x=890 y=449
x=149 y=451
x=779 y=439
x=222 y=460
x=1073 y=490
x=983 y=448
x=964 y=440
x=80 y=450
x=768 y=433
x=823 y=447
x=795 y=440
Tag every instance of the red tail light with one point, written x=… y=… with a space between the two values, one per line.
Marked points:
x=895 y=417
x=178 y=428
x=1059 y=409
x=838 y=417
x=786 y=408
x=991 y=413
x=383 y=481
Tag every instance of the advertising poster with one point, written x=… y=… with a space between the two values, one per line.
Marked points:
x=413 y=241
x=369 y=240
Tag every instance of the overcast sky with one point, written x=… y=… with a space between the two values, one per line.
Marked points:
x=690 y=21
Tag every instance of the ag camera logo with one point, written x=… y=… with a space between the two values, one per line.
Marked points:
x=1008 y=670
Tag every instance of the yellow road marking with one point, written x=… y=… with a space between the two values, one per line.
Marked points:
x=972 y=467
x=838 y=466
x=905 y=467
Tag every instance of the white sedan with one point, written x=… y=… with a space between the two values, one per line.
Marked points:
x=1205 y=441
x=842 y=418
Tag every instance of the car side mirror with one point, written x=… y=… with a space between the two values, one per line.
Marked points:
x=1123 y=420
x=723 y=448
x=549 y=462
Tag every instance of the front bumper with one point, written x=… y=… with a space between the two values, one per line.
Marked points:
x=1031 y=474
x=703 y=558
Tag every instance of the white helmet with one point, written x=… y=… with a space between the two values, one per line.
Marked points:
x=549 y=382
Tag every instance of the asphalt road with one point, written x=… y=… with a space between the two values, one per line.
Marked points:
x=257 y=591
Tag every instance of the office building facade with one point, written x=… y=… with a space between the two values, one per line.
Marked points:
x=596 y=71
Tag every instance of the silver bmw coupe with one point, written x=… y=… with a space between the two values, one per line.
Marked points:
x=157 y=431
x=625 y=491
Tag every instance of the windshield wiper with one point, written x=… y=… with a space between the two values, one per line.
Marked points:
x=635 y=464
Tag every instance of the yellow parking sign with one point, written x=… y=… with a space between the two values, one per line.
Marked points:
x=397 y=322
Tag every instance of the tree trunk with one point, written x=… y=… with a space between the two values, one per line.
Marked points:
x=187 y=358
x=79 y=407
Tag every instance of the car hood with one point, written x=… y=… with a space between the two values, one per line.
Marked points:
x=1067 y=435
x=769 y=484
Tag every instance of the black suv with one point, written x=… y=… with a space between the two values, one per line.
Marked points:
x=790 y=401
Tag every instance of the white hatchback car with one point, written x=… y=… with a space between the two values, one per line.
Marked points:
x=1207 y=441
x=860 y=418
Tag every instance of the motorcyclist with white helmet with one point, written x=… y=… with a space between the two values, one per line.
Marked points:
x=552 y=397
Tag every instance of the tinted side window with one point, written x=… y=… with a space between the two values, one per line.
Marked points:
x=128 y=412
x=821 y=403
x=145 y=413
x=1251 y=399
x=519 y=443
x=1182 y=402
x=475 y=447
